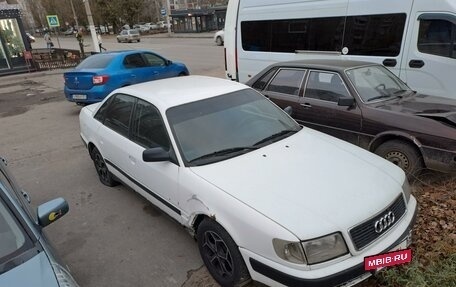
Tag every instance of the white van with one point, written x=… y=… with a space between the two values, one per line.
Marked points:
x=416 y=39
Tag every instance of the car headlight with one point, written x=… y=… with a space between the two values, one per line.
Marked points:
x=324 y=248
x=64 y=278
x=289 y=251
x=407 y=190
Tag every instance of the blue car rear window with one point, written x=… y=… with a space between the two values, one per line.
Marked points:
x=100 y=61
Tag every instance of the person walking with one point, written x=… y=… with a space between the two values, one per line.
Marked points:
x=47 y=38
x=100 y=43
x=80 y=39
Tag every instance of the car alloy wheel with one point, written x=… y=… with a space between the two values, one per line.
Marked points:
x=221 y=254
x=104 y=174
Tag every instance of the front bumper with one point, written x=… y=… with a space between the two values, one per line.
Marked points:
x=351 y=275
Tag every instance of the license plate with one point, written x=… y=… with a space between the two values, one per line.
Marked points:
x=403 y=245
x=79 y=97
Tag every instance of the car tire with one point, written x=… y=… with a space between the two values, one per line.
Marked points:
x=118 y=41
x=219 y=41
x=104 y=174
x=403 y=155
x=182 y=74
x=139 y=40
x=221 y=255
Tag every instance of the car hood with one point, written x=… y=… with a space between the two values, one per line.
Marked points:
x=310 y=183
x=441 y=109
x=35 y=272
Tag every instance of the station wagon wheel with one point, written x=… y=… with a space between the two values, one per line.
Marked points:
x=104 y=174
x=221 y=254
x=403 y=155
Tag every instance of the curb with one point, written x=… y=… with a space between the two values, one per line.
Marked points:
x=26 y=76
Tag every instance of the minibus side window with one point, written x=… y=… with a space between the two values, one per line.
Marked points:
x=437 y=37
x=375 y=35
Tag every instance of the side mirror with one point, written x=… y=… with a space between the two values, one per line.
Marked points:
x=168 y=62
x=346 y=102
x=51 y=211
x=288 y=110
x=156 y=154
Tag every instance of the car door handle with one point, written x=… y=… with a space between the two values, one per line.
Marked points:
x=390 y=63
x=132 y=159
x=416 y=64
x=306 y=105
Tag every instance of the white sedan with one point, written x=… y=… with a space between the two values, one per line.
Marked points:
x=265 y=198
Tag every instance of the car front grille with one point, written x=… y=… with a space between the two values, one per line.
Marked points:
x=363 y=234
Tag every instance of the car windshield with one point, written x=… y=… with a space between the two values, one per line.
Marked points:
x=99 y=61
x=13 y=239
x=376 y=83
x=226 y=126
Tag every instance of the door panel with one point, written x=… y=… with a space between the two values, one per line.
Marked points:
x=319 y=109
x=431 y=58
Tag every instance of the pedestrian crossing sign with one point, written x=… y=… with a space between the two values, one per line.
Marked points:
x=53 y=21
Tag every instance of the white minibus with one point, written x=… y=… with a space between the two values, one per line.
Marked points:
x=416 y=39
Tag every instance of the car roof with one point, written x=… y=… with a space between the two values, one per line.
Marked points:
x=176 y=91
x=333 y=64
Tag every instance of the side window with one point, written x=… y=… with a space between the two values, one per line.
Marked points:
x=134 y=61
x=117 y=117
x=261 y=83
x=154 y=60
x=148 y=128
x=288 y=36
x=437 y=37
x=374 y=35
x=287 y=81
x=325 y=86
x=100 y=115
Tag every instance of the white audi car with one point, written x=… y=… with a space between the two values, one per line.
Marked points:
x=265 y=198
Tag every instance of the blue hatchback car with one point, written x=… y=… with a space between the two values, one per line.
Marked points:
x=26 y=258
x=97 y=76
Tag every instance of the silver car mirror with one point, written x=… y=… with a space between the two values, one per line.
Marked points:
x=52 y=210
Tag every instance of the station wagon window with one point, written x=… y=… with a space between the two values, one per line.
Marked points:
x=261 y=83
x=437 y=37
x=287 y=81
x=325 y=86
x=117 y=117
x=154 y=60
x=148 y=129
x=134 y=61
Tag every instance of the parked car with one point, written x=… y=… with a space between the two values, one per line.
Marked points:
x=219 y=37
x=26 y=256
x=69 y=32
x=30 y=38
x=129 y=36
x=97 y=76
x=249 y=182
x=366 y=105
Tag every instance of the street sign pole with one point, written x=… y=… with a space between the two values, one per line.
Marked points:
x=53 y=22
x=168 y=7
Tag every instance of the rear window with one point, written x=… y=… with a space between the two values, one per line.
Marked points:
x=100 y=61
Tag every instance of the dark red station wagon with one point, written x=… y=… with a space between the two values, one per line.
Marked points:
x=367 y=105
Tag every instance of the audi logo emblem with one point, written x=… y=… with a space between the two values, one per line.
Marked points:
x=384 y=222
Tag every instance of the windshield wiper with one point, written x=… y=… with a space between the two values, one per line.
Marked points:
x=224 y=152
x=379 y=97
x=276 y=135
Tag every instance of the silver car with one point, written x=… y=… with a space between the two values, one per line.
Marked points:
x=129 y=36
x=26 y=258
